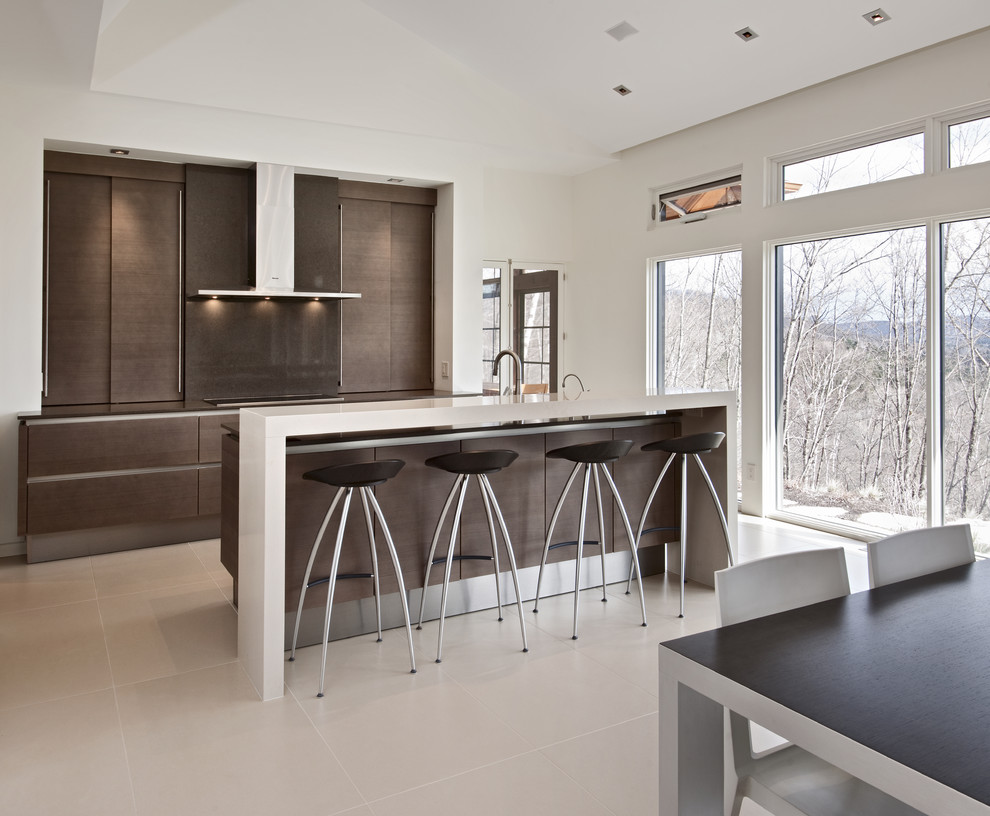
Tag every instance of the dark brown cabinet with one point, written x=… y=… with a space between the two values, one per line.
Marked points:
x=146 y=301
x=317 y=233
x=112 y=283
x=76 y=334
x=219 y=227
x=365 y=341
x=94 y=485
x=387 y=256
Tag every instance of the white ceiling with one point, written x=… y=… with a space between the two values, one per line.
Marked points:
x=527 y=77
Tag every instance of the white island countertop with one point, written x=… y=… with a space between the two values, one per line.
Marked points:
x=263 y=434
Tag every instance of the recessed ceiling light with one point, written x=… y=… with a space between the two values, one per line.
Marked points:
x=396 y=181
x=621 y=31
x=876 y=16
x=746 y=34
x=119 y=151
x=622 y=90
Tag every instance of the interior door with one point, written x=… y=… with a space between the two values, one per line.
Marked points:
x=534 y=297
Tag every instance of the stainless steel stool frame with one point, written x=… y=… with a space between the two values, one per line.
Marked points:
x=589 y=468
x=369 y=503
x=683 y=534
x=459 y=488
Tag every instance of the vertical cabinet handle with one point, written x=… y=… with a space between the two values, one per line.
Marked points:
x=340 y=302
x=181 y=298
x=48 y=288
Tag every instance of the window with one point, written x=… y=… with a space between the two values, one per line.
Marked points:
x=969 y=142
x=699 y=336
x=965 y=256
x=491 y=323
x=852 y=379
x=699 y=199
x=857 y=166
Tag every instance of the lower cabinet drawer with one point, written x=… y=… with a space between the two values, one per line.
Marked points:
x=209 y=490
x=79 y=504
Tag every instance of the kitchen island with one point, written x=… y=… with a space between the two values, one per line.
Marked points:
x=266 y=436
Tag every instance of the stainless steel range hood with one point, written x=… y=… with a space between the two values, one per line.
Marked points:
x=275 y=239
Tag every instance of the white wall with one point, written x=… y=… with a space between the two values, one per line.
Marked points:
x=33 y=114
x=606 y=313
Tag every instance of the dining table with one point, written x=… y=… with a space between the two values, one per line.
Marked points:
x=892 y=685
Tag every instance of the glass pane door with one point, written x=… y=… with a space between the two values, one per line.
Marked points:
x=535 y=299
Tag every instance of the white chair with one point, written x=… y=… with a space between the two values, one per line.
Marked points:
x=919 y=552
x=787 y=780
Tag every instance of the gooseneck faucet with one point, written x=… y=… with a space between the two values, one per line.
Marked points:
x=563 y=382
x=517 y=367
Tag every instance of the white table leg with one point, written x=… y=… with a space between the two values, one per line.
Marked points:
x=692 y=744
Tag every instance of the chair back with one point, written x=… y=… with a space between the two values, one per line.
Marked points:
x=778 y=583
x=534 y=388
x=919 y=552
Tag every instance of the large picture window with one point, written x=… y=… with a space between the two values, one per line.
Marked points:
x=965 y=255
x=851 y=382
x=699 y=333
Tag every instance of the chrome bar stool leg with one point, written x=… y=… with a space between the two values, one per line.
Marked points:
x=364 y=491
x=465 y=464
x=449 y=562
x=398 y=575
x=580 y=550
x=491 y=533
x=553 y=523
x=633 y=544
x=361 y=476
x=601 y=525
x=332 y=585
x=433 y=548
x=483 y=478
x=646 y=511
x=692 y=445
x=309 y=570
x=593 y=457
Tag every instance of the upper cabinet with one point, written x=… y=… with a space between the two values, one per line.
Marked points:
x=76 y=295
x=220 y=218
x=387 y=256
x=317 y=233
x=112 y=281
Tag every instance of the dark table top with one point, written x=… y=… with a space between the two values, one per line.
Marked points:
x=902 y=669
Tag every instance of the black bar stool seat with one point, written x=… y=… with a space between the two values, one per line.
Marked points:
x=465 y=464
x=357 y=474
x=592 y=458
x=690 y=445
x=593 y=453
x=360 y=476
x=473 y=463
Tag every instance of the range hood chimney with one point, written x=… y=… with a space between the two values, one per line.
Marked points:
x=275 y=240
x=274 y=229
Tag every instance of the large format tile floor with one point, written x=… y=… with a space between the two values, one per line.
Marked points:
x=120 y=693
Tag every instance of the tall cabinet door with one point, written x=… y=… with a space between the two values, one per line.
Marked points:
x=76 y=333
x=365 y=267
x=146 y=311
x=411 y=297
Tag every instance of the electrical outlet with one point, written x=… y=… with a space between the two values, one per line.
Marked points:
x=445 y=369
x=750 y=471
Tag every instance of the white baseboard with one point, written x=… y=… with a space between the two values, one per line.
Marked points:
x=13 y=548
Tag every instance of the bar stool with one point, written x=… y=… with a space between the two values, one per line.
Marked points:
x=466 y=464
x=592 y=457
x=691 y=445
x=361 y=476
